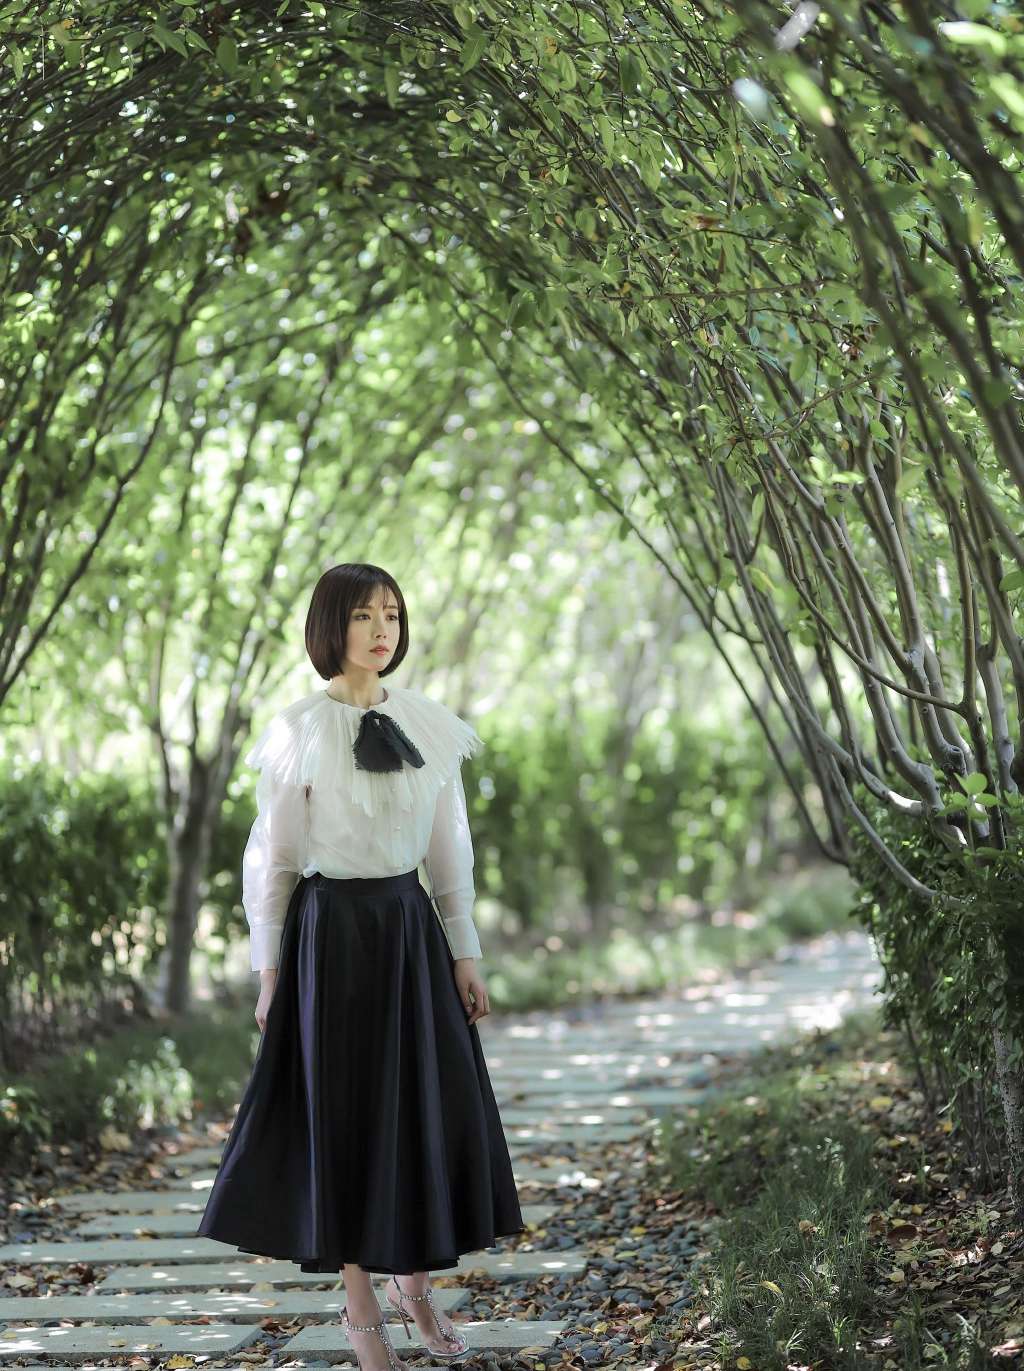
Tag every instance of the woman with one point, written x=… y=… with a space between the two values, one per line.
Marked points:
x=368 y=1139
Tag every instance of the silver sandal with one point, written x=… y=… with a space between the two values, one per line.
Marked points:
x=459 y=1339
x=378 y=1328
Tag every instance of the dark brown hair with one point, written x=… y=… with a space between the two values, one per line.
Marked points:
x=339 y=592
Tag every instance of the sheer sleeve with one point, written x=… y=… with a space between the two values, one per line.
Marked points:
x=449 y=863
x=272 y=864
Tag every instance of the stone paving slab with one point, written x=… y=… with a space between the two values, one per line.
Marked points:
x=563 y=1059
x=508 y=1089
x=582 y=1135
x=620 y=1105
x=816 y=985
x=237 y=1273
x=72 y=1344
x=100 y=1251
x=580 y=1054
x=197 y=1156
x=198 y=1181
x=152 y=1224
x=485 y=1335
x=174 y=1201
x=131 y=1202
x=223 y=1306
x=666 y=1078
x=197 y=1187
x=588 y=1116
x=655 y=1096
x=592 y=1037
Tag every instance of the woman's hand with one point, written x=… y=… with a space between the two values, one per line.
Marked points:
x=268 y=979
x=470 y=983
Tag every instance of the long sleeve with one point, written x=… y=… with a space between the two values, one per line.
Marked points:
x=272 y=864
x=449 y=863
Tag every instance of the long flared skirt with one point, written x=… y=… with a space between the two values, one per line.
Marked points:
x=368 y=1130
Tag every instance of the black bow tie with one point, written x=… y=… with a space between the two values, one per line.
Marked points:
x=382 y=746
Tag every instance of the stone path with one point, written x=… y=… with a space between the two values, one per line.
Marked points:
x=573 y=1089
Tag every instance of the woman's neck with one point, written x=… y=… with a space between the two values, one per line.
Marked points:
x=365 y=696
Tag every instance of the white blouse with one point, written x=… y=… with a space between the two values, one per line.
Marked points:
x=356 y=822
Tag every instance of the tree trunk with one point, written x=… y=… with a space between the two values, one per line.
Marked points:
x=598 y=871
x=189 y=850
x=1011 y=1089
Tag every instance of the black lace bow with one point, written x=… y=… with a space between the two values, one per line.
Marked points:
x=382 y=746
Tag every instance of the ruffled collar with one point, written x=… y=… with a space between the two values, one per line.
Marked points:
x=309 y=742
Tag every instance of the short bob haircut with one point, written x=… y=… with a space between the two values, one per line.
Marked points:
x=338 y=593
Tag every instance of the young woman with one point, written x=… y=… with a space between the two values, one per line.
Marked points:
x=367 y=1139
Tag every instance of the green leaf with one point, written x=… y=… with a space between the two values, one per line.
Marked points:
x=472 y=50
x=973 y=784
x=650 y=173
x=629 y=73
x=896 y=196
x=197 y=40
x=974 y=36
x=809 y=98
x=997 y=392
x=1005 y=88
x=800 y=364
x=17 y=59
x=911 y=478
x=391 y=79
x=586 y=221
x=168 y=39
x=566 y=70
x=523 y=311
x=227 y=54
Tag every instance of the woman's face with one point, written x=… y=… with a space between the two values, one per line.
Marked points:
x=372 y=627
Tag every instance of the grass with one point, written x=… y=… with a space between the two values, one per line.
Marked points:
x=820 y=1210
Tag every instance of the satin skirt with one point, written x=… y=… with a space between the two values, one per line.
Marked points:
x=368 y=1130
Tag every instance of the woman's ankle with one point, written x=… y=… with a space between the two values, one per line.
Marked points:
x=414 y=1284
x=363 y=1314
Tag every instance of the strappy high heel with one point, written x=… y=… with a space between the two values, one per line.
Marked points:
x=378 y=1328
x=460 y=1341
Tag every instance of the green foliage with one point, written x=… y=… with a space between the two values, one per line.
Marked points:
x=139 y=1078
x=585 y=830
x=131 y=1082
x=82 y=873
x=812 y=900
x=951 y=963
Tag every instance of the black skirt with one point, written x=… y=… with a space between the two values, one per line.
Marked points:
x=368 y=1131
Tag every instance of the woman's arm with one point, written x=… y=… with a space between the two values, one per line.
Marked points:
x=271 y=865
x=449 y=863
